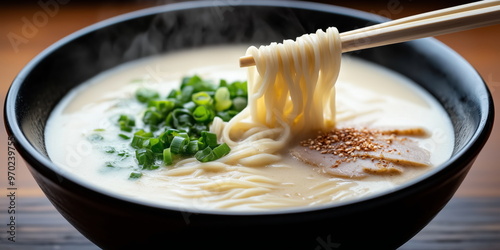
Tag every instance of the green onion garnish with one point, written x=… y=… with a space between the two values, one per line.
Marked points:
x=140 y=138
x=167 y=157
x=126 y=123
x=222 y=99
x=203 y=114
x=239 y=103
x=177 y=126
x=202 y=98
x=205 y=155
x=192 y=147
x=135 y=175
x=221 y=150
x=124 y=136
x=178 y=144
x=145 y=157
x=109 y=149
x=145 y=95
x=109 y=164
x=156 y=145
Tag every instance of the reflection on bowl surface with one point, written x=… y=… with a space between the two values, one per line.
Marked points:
x=385 y=220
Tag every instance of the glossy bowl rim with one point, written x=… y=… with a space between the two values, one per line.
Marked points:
x=31 y=154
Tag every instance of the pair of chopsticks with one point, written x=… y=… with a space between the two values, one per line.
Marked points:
x=439 y=22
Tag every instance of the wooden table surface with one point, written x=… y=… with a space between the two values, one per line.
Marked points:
x=470 y=221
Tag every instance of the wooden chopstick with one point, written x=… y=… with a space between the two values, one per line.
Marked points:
x=454 y=19
x=427 y=15
x=422 y=27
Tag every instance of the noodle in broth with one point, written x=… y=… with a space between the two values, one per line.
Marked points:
x=291 y=94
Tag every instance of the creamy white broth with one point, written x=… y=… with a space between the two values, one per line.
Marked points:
x=367 y=96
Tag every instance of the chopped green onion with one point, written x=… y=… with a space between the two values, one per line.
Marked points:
x=123 y=154
x=238 y=89
x=109 y=164
x=126 y=128
x=137 y=141
x=197 y=83
x=186 y=94
x=165 y=139
x=109 y=149
x=162 y=106
x=156 y=145
x=189 y=106
x=167 y=157
x=210 y=139
x=223 y=83
x=205 y=155
x=145 y=95
x=124 y=136
x=145 y=158
x=239 y=103
x=227 y=115
x=192 y=147
x=140 y=137
x=190 y=81
x=197 y=128
x=178 y=144
x=202 y=114
x=221 y=150
x=202 y=98
x=209 y=154
x=181 y=119
x=181 y=134
x=174 y=93
x=135 y=175
x=169 y=120
x=126 y=123
x=152 y=117
x=222 y=99
x=179 y=123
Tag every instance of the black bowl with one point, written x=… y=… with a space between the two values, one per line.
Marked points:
x=382 y=221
